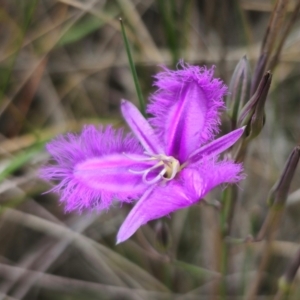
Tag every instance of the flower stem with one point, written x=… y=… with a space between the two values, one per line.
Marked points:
x=133 y=71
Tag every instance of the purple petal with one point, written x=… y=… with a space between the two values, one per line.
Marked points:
x=222 y=172
x=192 y=184
x=154 y=204
x=217 y=146
x=135 y=219
x=141 y=128
x=112 y=173
x=186 y=108
x=161 y=201
x=92 y=170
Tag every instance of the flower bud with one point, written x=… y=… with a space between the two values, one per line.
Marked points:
x=253 y=113
x=279 y=192
x=239 y=89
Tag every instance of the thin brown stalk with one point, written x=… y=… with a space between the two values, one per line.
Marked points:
x=66 y=284
x=274 y=26
x=274 y=60
x=270 y=37
x=143 y=37
x=101 y=253
x=27 y=140
x=277 y=199
x=50 y=250
x=266 y=253
x=286 y=281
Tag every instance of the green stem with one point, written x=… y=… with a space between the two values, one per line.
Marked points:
x=133 y=71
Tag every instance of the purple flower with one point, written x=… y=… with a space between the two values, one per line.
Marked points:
x=168 y=164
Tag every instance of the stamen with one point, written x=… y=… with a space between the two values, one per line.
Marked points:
x=149 y=154
x=170 y=165
x=136 y=172
x=156 y=178
x=139 y=159
x=147 y=170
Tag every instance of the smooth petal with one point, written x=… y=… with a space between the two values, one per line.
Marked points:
x=141 y=128
x=186 y=108
x=92 y=170
x=217 y=146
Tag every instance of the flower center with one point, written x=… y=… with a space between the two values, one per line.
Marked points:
x=167 y=167
x=170 y=166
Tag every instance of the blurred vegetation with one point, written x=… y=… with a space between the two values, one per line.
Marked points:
x=63 y=63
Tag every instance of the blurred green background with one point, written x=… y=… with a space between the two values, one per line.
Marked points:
x=63 y=64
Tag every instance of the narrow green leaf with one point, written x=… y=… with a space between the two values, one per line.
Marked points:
x=21 y=159
x=196 y=271
x=80 y=30
x=133 y=70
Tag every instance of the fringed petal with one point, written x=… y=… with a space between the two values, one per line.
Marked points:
x=186 y=108
x=215 y=173
x=92 y=169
